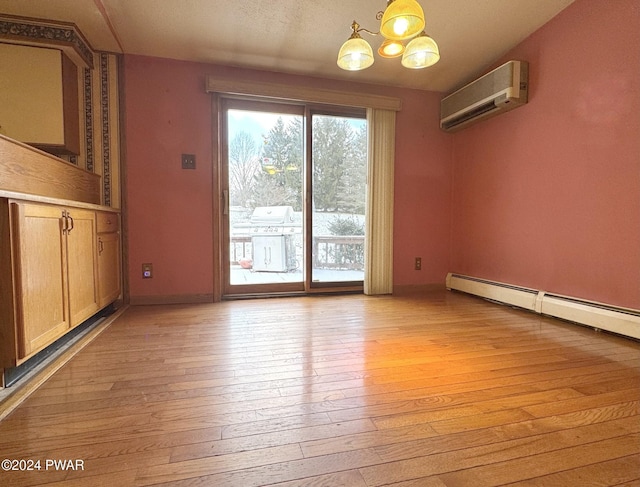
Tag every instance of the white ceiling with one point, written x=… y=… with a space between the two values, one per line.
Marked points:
x=297 y=36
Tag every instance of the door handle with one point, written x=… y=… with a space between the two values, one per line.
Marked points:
x=225 y=201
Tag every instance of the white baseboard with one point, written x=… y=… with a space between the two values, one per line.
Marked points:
x=623 y=321
x=495 y=291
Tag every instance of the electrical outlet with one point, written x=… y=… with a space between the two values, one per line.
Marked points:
x=147 y=271
x=188 y=161
x=418 y=264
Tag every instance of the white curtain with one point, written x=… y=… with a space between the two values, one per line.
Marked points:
x=378 y=275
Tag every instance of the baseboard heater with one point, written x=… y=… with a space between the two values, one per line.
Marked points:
x=622 y=321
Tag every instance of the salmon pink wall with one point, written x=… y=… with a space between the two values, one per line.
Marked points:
x=169 y=210
x=548 y=196
x=422 y=216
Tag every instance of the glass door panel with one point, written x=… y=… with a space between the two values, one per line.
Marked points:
x=339 y=173
x=294 y=218
x=264 y=153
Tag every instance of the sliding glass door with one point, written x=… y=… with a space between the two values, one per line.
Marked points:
x=294 y=191
x=339 y=175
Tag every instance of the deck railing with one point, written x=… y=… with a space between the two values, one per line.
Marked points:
x=338 y=252
x=240 y=249
x=330 y=251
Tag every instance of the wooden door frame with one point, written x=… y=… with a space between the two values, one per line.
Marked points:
x=221 y=285
x=222 y=237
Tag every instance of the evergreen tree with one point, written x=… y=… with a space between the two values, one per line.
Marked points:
x=280 y=182
x=295 y=168
x=339 y=164
x=352 y=197
x=272 y=175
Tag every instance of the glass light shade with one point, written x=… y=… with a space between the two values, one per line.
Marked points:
x=402 y=20
x=421 y=52
x=390 y=49
x=355 y=54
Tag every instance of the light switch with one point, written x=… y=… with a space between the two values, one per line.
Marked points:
x=188 y=161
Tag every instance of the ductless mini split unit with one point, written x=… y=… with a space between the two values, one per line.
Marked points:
x=498 y=91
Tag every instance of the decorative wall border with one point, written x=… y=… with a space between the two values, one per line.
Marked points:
x=88 y=119
x=61 y=35
x=106 y=137
x=99 y=122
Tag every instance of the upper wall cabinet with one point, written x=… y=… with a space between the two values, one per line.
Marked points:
x=39 y=98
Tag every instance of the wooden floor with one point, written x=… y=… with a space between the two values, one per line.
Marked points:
x=443 y=390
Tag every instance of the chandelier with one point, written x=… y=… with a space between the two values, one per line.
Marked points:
x=402 y=21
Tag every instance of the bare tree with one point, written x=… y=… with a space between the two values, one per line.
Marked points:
x=244 y=166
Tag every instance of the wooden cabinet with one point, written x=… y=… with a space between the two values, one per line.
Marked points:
x=39 y=98
x=109 y=278
x=59 y=252
x=54 y=273
x=81 y=264
x=40 y=276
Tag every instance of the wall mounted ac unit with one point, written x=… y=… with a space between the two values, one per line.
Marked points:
x=498 y=91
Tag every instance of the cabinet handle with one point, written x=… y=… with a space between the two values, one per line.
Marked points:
x=100 y=246
x=64 y=222
x=71 y=226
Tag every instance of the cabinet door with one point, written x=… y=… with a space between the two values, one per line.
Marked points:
x=81 y=264
x=108 y=268
x=40 y=269
x=39 y=98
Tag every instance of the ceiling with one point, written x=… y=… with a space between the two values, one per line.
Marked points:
x=296 y=36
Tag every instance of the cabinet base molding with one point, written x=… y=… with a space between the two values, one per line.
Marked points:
x=12 y=397
x=171 y=299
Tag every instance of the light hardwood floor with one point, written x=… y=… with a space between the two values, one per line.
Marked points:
x=436 y=390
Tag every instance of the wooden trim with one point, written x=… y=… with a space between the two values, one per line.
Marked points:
x=24 y=169
x=171 y=299
x=263 y=89
x=229 y=290
x=351 y=287
x=47 y=33
x=308 y=201
x=217 y=193
x=71 y=110
x=8 y=340
x=56 y=201
x=124 y=201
